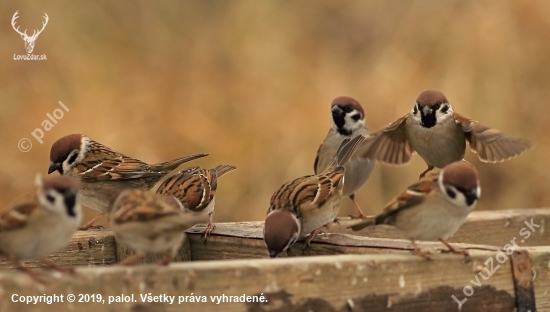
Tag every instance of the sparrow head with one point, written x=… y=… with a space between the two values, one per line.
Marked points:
x=281 y=230
x=460 y=184
x=347 y=115
x=67 y=152
x=431 y=108
x=59 y=195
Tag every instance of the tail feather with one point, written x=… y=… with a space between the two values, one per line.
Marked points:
x=173 y=164
x=345 y=151
x=223 y=169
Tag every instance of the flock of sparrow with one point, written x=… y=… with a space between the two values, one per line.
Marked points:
x=93 y=175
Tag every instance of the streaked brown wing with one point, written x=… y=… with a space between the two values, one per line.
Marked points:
x=414 y=195
x=139 y=205
x=121 y=168
x=194 y=189
x=491 y=145
x=308 y=192
x=16 y=217
x=389 y=145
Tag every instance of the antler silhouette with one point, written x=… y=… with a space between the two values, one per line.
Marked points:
x=29 y=40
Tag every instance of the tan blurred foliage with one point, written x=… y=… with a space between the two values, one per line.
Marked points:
x=251 y=82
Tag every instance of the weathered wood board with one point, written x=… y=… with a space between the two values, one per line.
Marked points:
x=90 y=248
x=383 y=282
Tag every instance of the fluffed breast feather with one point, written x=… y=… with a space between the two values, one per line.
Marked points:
x=308 y=192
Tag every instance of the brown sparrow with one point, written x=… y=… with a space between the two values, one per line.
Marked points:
x=148 y=222
x=308 y=204
x=434 y=207
x=103 y=172
x=348 y=120
x=195 y=189
x=37 y=229
x=439 y=136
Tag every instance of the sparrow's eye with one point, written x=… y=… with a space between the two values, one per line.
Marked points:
x=436 y=106
x=50 y=198
x=356 y=117
x=451 y=193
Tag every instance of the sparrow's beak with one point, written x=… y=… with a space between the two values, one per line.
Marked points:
x=426 y=110
x=273 y=254
x=53 y=167
x=337 y=111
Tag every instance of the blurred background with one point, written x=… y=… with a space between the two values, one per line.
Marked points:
x=251 y=83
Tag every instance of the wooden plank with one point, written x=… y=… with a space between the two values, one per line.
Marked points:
x=327 y=283
x=87 y=248
x=540 y=264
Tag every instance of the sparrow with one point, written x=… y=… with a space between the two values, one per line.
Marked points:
x=148 y=222
x=37 y=229
x=103 y=172
x=348 y=121
x=195 y=188
x=434 y=207
x=308 y=204
x=439 y=135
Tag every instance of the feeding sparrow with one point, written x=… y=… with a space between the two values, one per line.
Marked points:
x=348 y=120
x=149 y=222
x=439 y=135
x=103 y=172
x=195 y=189
x=37 y=229
x=434 y=207
x=308 y=204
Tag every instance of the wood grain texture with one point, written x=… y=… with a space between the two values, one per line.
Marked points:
x=327 y=283
x=87 y=248
x=540 y=264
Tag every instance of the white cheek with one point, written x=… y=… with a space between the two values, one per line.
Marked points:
x=353 y=124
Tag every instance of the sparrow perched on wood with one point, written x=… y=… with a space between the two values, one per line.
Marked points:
x=434 y=207
x=103 y=172
x=37 y=229
x=308 y=204
x=348 y=120
x=148 y=222
x=439 y=135
x=195 y=189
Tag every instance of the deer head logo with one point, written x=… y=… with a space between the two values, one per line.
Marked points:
x=29 y=40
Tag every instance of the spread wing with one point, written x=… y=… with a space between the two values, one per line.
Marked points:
x=491 y=145
x=389 y=145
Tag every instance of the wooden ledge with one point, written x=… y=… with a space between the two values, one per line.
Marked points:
x=401 y=282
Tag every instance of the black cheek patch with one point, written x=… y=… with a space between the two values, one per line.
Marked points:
x=70 y=201
x=73 y=158
x=356 y=117
x=445 y=109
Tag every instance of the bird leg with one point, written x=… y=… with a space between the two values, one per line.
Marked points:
x=430 y=167
x=424 y=254
x=90 y=225
x=452 y=249
x=32 y=274
x=209 y=228
x=360 y=214
x=313 y=234
x=52 y=265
